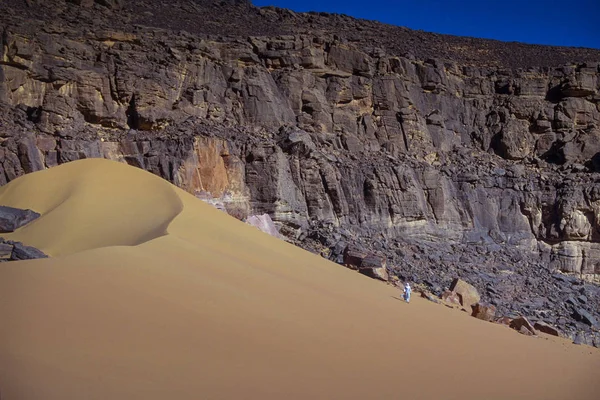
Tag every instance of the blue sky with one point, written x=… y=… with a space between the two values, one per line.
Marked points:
x=562 y=23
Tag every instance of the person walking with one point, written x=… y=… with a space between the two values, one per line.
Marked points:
x=407 y=292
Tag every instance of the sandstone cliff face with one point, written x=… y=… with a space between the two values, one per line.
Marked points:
x=445 y=167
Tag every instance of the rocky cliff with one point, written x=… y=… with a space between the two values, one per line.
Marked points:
x=448 y=156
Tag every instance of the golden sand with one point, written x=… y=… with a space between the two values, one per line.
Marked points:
x=152 y=294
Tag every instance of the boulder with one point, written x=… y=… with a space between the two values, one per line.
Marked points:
x=15 y=251
x=366 y=263
x=22 y=252
x=451 y=297
x=585 y=317
x=524 y=331
x=579 y=85
x=484 y=312
x=353 y=257
x=375 y=267
x=547 y=329
x=504 y=321
x=522 y=325
x=6 y=250
x=12 y=218
x=467 y=293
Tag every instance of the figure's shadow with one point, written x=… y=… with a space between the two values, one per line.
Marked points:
x=397 y=298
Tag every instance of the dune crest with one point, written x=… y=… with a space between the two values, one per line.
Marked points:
x=158 y=295
x=92 y=203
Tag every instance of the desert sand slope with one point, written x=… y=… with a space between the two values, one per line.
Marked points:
x=188 y=303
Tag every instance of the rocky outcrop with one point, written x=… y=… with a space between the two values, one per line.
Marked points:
x=450 y=156
x=547 y=329
x=504 y=321
x=13 y=218
x=523 y=325
x=374 y=267
x=451 y=298
x=467 y=294
x=484 y=312
x=366 y=263
x=16 y=251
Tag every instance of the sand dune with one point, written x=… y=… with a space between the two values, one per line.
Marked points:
x=155 y=295
x=91 y=204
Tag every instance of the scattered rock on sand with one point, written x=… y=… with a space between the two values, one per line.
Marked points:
x=504 y=321
x=375 y=267
x=523 y=325
x=524 y=331
x=12 y=218
x=22 y=252
x=5 y=251
x=429 y=296
x=484 y=312
x=467 y=293
x=547 y=329
x=15 y=251
x=366 y=263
